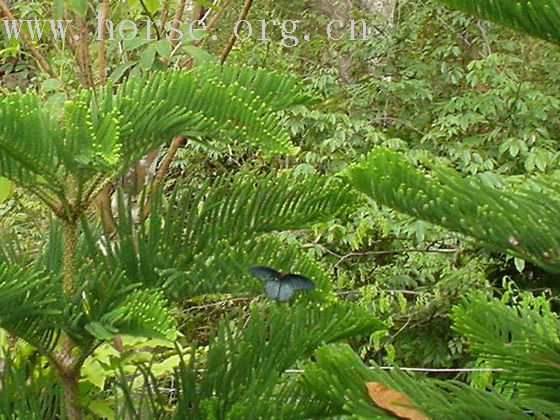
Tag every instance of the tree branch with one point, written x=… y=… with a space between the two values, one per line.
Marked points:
x=41 y=60
x=231 y=42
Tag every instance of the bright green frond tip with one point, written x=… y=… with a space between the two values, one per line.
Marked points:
x=539 y=18
x=523 y=222
x=104 y=132
x=143 y=313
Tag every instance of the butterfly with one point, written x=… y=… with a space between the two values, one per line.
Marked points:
x=278 y=286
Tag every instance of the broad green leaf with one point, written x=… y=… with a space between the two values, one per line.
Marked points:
x=147 y=57
x=167 y=366
x=152 y=5
x=164 y=48
x=132 y=44
x=6 y=188
x=94 y=372
x=120 y=70
x=102 y=409
x=198 y=54
x=50 y=85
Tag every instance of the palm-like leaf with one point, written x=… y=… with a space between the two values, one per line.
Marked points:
x=207 y=237
x=103 y=132
x=30 y=306
x=524 y=222
x=539 y=18
x=243 y=374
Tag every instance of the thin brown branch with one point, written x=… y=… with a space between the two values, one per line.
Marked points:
x=177 y=17
x=162 y=172
x=211 y=24
x=40 y=58
x=83 y=55
x=102 y=45
x=214 y=19
x=231 y=42
x=165 y=13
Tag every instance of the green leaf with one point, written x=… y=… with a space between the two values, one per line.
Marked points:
x=164 y=48
x=152 y=5
x=58 y=8
x=99 y=331
x=167 y=366
x=120 y=70
x=50 y=85
x=519 y=264
x=6 y=189
x=80 y=7
x=147 y=57
x=199 y=55
x=102 y=409
x=134 y=43
x=95 y=373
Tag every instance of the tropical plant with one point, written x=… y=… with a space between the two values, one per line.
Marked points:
x=70 y=297
x=520 y=219
x=246 y=370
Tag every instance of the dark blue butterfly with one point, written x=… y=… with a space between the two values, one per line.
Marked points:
x=280 y=286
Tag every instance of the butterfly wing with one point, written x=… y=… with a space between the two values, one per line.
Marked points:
x=266 y=274
x=277 y=290
x=298 y=282
x=279 y=286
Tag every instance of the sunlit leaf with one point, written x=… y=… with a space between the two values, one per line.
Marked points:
x=6 y=188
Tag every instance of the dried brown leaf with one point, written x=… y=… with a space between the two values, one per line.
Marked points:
x=393 y=401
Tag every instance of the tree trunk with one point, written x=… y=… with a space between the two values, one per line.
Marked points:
x=68 y=368
x=70 y=395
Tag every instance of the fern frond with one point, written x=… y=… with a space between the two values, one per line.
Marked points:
x=517 y=339
x=28 y=142
x=205 y=228
x=277 y=91
x=523 y=222
x=540 y=18
x=339 y=377
x=245 y=368
x=29 y=306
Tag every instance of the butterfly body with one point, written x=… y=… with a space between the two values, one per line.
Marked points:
x=279 y=286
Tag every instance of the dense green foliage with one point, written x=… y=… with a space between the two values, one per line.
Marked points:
x=412 y=176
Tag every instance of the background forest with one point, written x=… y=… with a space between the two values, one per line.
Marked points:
x=412 y=176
